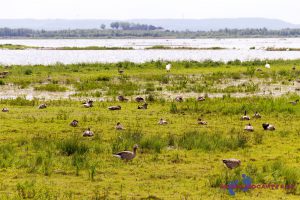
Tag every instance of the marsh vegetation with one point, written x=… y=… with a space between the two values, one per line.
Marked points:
x=41 y=154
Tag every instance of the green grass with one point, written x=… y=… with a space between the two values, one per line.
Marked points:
x=15 y=47
x=282 y=49
x=183 y=48
x=23 y=47
x=151 y=78
x=93 y=48
x=43 y=157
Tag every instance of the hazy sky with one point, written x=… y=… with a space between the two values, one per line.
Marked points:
x=287 y=10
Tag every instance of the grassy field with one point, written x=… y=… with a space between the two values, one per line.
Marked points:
x=43 y=157
x=184 y=48
x=24 y=47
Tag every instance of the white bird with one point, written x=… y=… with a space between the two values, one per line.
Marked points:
x=162 y=122
x=249 y=128
x=168 y=67
x=268 y=66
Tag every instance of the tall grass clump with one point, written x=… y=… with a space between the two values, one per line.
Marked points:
x=211 y=141
x=7 y=155
x=153 y=143
x=173 y=108
x=51 y=88
x=73 y=145
x=26 y=190
x=19 y=101
x=127 y=139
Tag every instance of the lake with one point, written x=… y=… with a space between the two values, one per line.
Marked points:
x=236 y=49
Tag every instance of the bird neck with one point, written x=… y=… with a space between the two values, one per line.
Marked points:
x=134 y=151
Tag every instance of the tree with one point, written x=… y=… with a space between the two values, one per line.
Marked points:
x=115 y=25
x=103 y=26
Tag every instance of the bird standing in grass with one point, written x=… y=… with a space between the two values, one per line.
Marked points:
x=139 y=99
x=201 y=99
x=143 y=107
x=294 y=102
x=127 y=155
x=74 y=123
x=88 y=104
x=114 y=108
x=201 y=122
x=119 y=126
x=42 y=106
x=232 y=163
x=168 y=67
x=245 y=117
x=120 y=71
x=88 y=133
x=179 y=99
x=122 y=98
x=268 y=127
x=162 y=122
x=5 y=110
x=249 y=128
x=268 y=66
x=257 y=115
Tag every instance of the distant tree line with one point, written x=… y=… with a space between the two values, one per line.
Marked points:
x=130 y=32
x=133 y=26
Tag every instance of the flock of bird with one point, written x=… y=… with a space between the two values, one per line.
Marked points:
x=129 y=155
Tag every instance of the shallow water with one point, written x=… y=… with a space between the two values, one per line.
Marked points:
x=273 y=90
x=237 y=49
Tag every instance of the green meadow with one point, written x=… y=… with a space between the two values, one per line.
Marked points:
x=43 y=157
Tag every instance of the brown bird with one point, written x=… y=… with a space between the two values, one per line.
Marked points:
x=201 y=99
x=294 y=67
x=256 y=115
x=88 y=104
x=249 y=128
x=114 y=108
x=268 y=127
x=122 y=98
x=143 y=107
x=42 y=106
x=88 y=133
x=232 y=163
x=201 y=122
x=5 y=110
x=162 y=122
x=120 y=71
x=245 y=117
x=127 y=155
x=179 y=99
x=3 y=74
x=139 y=99
x=119 y=126
x=294 y=102
x=74 y=123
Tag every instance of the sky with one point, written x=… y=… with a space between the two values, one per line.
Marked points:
x=287 y=10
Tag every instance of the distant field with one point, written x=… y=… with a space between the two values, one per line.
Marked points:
x=43 y=157
x=161 y=47
x=24 y=47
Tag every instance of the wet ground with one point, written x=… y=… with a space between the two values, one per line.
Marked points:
x=266 y=88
